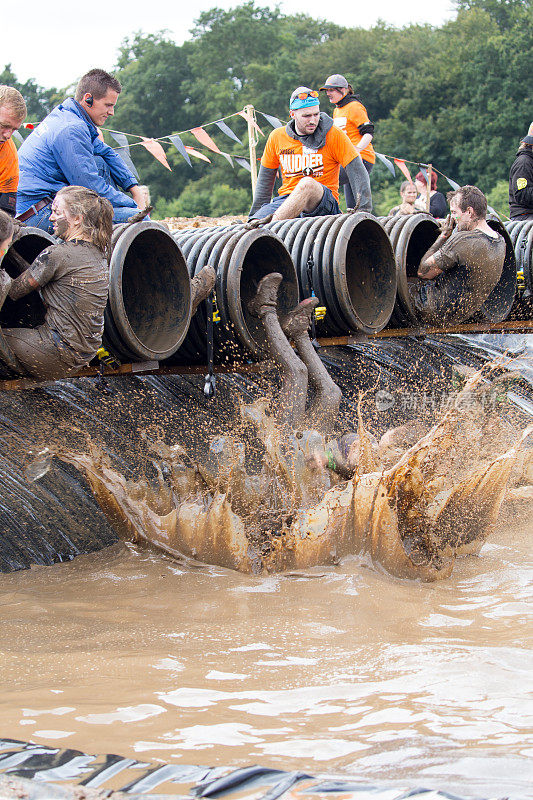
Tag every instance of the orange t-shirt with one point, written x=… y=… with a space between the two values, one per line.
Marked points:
x=348 y=118
x=297 y=161
x=9 y=167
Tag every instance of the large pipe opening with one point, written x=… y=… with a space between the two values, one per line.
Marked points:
x=370 y=276
x=256 y=254
x=149 y=294
x=29 y=311
x=498 y=304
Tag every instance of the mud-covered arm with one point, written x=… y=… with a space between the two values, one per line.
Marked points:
x=263 y=189
x=39 y=274
x=429 y=268
x=23 y=285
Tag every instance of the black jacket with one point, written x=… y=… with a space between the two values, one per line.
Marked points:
x=521 y=185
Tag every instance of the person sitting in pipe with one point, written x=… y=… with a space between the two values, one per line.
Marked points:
x=309 y=151
x=65 y=149
x=12 y=115
x=408 y=196
x=72 y=278
x=462 y=267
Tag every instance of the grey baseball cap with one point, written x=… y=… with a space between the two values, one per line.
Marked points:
x=335 y=82
x=529 y=138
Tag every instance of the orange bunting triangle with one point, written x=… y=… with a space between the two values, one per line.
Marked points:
x=249 y=118
x=194 y=152
x=204 y=138
x=400 y=163
x=156 y=150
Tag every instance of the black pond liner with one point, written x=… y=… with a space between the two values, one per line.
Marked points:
x=38 y=772
x=57 y=517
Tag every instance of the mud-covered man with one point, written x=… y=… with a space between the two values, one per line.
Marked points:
x=65 y=149
x=462 y=267
x=309 y=151
x=12 y=115
x=72 y=278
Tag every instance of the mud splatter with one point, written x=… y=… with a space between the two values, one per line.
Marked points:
x=438 y=499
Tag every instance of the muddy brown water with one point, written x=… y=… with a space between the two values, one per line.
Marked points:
x=341 y=670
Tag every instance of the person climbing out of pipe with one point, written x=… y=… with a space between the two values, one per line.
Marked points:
x=309 y=151
x=72 y=278
x=464 y=264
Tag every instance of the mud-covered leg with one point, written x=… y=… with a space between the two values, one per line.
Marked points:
x=291 y=400
x=328 y=396
x=201 y=285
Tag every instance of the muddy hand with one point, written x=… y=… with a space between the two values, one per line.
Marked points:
x=258 y=223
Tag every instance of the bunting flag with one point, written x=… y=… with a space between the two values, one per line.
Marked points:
x=424 y=172
x=124 y=151
x=453 y=184
x=243 y=162
x=204 y=138
x=227 y=130
x=156 y=150
x=274 y=121
x=400 y=163
x=29 y=125
x=17 y=137
x=195 y=153
x=251 y=120
x=388 y=164
x=180 y=147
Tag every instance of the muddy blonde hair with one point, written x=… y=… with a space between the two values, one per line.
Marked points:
x=11 y=98
x=96 y=215
x=7 y=226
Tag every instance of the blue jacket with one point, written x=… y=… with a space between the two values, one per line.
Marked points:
x=61 y=152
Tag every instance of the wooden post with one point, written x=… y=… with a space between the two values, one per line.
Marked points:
x=252 y=143
x=430 y=170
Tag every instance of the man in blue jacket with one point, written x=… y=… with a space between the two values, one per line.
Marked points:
x=64 y=150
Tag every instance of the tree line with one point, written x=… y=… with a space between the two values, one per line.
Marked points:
x=457 y=96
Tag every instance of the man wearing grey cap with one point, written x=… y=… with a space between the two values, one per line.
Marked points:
x=351 y=116
x=309 y=151
x=521 y=180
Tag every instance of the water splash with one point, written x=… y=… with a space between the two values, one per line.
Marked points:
x=413 y=507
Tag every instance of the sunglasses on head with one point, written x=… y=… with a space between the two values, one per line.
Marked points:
x=305 y=95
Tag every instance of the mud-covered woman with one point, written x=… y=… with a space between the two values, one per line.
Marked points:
x=72 y=278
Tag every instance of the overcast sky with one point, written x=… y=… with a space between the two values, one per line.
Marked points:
x=55 y=43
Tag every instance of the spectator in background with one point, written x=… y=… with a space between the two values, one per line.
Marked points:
x=437 y=202
x=407 y=206
x=351 y=116
x=521 y=180
x=65 y=150
x=12 y=115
